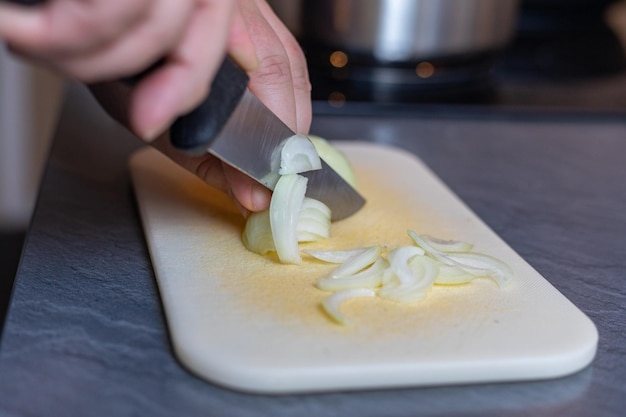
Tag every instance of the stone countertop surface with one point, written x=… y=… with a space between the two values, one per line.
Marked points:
x=85 y=333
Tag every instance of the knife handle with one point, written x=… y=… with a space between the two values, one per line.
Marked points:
x=26 y=2
x=193 y=132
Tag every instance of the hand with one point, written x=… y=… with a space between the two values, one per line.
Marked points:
x=96 y=41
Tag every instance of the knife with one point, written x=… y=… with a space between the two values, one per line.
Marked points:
x=235 y=126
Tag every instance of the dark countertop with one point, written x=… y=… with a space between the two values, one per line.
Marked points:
x=85 y=333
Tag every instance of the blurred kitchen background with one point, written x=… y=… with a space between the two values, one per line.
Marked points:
x=537 y=55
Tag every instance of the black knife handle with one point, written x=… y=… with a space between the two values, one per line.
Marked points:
x=193 y=132
x=26 y=2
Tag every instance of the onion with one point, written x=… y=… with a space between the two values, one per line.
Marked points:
x=357 y=262
x=332 y=303
x=405 y=274
x=313 y=221
x=311 y=205
x=447 y=245
x=399 y=260
x=334 y=158
x=412 y=275
x=371 y=277
x=334 y=256
x=284 y=210
x=477 y=264
x=298 y=155
x=257 y=235
x=452 y=275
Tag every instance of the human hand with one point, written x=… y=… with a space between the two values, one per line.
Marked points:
x=102 y=40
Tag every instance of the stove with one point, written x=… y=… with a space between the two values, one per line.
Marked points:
x=563 y=58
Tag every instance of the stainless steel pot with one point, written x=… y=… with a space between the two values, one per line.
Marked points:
x=402 y=30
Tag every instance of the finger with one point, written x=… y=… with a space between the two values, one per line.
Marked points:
x=298 y=67
x=207 y=167
x=184 y=80
x=240 y=46
x=68 y=27
x=137 y=49
x=249 y=193
x=271 y=82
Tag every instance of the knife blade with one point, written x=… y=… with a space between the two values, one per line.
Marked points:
x=235 y=126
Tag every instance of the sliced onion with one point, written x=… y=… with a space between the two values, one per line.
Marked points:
x=357 y=262
x=452 y=275
x=311 y=205
x=437 y=254
x=298 y=155
x=399 y=261
x=480 y=264
x=371 y=277
x=284 y=211
x=477 y=264
x=334 y=256
x=418 y=273
x=333 y=302
x=447 y=245
x=335 y=159
x=257 y=235
x=313 y=221
x=312 y=231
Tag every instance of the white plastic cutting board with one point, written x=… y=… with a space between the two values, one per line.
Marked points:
x=252 y=324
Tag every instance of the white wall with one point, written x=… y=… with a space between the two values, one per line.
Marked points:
x=29 y=103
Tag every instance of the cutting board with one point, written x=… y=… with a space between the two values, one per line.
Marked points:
x=249 y=323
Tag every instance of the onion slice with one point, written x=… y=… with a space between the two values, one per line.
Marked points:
x=357 y=262
x=447 y=245
x=335 y=158
x=313 y=221
x=334 y=256
x=452 y=275
x=284 y=211
x=371 y=277
x=477 y=264
x=298 y=154
x=399 y=260
x=332 y=303
x=480 y=264
x=412 y=275
x=257 y=235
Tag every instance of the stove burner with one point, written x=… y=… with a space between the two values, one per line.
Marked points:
x=340 y=76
